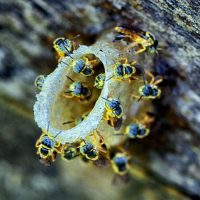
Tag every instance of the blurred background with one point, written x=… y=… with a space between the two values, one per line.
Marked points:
x=167 y=163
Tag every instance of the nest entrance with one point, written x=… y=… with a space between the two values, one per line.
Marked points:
x=69 y=112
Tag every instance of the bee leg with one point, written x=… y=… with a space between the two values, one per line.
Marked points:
x=37 y=144
x=124 y=60
x=107 y=116
x=132 y=78
x=112 y=122
x=158 y=81
x=135 y=96
x=101 y=139
x=151 y=76
x=53 y=157
x=147 y=119
x=86 y=59
x=133 y=62
x=59 y=149
x=122 y=150
x=57 y=144
x=102 y=150
x=38 y=152
x=60 y=57
x=117 y=79
x=141 y=50
x=94 y=62
x=67 y=96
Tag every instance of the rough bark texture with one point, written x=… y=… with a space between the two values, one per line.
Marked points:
x=168 y=161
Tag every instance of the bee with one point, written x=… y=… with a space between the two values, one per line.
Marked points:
x=139 y=129
x=84 y=66
x=124 y=70
x=144 y=39
x=70 y=152
x=39 y=81
x=77 y=89
x=149 y=90
x=47 y=147
x=113 y=108
x=63 y=46
x=92 y=149
x=113 y=113
x=120 y=163
x=89 y=151
x=99 y=81
x=114 y=122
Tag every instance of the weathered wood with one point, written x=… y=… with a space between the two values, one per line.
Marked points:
x=27 y=28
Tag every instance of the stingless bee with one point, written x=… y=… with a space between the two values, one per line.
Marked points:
x=77 y=89
x=39 y=81
x=149 y=90
x=94 y=149
x=99 y=81
x=63 y=46
x=47 y=146
x=145 y=40
x=124 y=70
x=120 y=163
x=70 y=152
x=113 y=112
x=139 y=129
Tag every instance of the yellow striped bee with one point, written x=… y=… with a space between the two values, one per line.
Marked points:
x=113 y=107
x=149 y=90
x=144 y=39
x=99 y=81
x=123 y=70
x=94 y=149
x=139 y=129
x=120 y=163
x=77 y=89
x=70 y=152
x=113 y=113
x=39 y=81
x=47 y=147
x=64 y=47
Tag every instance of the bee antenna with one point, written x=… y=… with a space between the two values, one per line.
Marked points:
x=70 y=79
x=84 y=140
x=68 y=122
x=48 y=126
x=118 y=98
x=118 y=134
x=110 y=78
x=140 y=98
x=57 y=134
x=127 y=144
x=76 y=36
x=70 y=56
x=105 y=99
x=68 y=53
x=64 y=62
x=68 y=92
